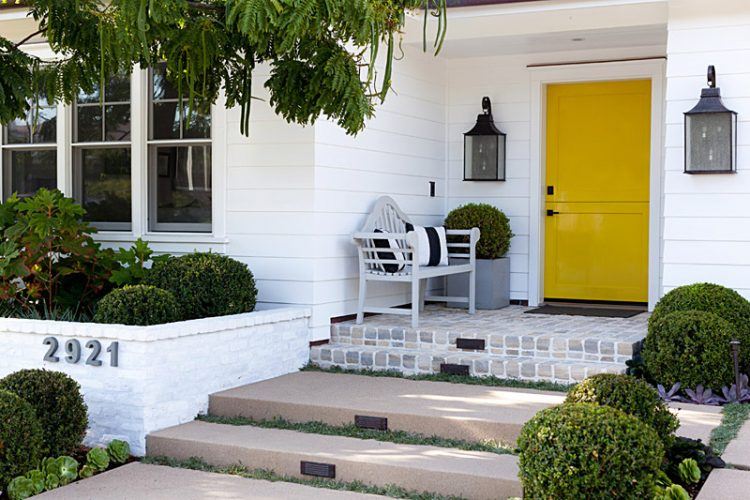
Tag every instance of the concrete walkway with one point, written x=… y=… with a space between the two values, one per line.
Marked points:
x=696 y=421
x=726 y=484
x=737 y=453
x=156 y=482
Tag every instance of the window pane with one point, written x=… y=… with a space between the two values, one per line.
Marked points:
x=118 y=89
x=46 y=126
x=92 y=98
x=26 y=171
x=166 y=121
x=196 y=125
x=104 y=189
x=183 y=186
x=162 y=88
x=89 y=120
x=20 y=131
x=117 y=126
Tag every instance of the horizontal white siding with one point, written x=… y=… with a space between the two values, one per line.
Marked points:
x=269 y=201
x=398 y=154
x=706 y=220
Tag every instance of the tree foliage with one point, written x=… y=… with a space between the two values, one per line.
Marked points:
x=322 y=53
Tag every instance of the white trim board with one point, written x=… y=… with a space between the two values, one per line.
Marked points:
x=624 y=70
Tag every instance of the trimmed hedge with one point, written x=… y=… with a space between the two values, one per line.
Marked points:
x=584 y=450
x=206 y=284
x=708 y=297
x=21 y=442
x=138 y=305
x=691 y=347
x=56 y=399
x=493 y=224
x=630 y=395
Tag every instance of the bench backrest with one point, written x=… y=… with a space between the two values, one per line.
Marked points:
x=386 y=215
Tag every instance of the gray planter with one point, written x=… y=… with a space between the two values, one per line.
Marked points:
x=493 y=284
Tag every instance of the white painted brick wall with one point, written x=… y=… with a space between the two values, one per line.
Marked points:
x=165 y=372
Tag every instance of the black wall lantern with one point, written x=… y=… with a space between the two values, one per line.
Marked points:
x=710 y=133
x=484 y=149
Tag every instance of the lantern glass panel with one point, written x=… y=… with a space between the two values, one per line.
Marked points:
x=483 y=154
x=709 y=139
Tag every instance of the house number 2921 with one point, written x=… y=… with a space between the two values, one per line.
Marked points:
x=74 y=352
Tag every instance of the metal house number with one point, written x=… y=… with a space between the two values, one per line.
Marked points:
x=73 y=351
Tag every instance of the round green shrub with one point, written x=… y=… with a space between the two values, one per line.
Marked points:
x=721 y=301
x=206 y=284
x=56 y=399
x=691 y=347
x=584 y=450
x=21 y=445
x=630 y=395
x=138 y=305
x=493 y=224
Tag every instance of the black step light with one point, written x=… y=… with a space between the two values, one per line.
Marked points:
x=484 y=148
x=710 y=133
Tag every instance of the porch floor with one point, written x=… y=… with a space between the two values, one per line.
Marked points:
x=517 y=345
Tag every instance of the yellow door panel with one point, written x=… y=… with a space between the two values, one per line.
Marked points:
x=598 y=159
x=597 y=251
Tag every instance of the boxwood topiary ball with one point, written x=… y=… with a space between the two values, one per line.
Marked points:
x=138 y=305
x=583 y=450
x=493 y=224
x=630 y=395
x=719 y=300
x=56 y=399
x=20 y=438
x=206 y=284
x=691 y=347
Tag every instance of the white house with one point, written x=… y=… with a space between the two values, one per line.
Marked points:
x=591 y=95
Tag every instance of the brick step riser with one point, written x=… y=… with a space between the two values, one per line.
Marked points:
x=546 y=347
x=426 y=362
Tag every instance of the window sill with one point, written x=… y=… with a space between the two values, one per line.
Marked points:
x=125 y=236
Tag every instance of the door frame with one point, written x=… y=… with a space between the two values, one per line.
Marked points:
x=541 y=77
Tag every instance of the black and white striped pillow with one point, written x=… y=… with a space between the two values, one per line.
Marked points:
x=433 y=245
x=395 y=254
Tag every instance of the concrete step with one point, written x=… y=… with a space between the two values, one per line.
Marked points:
x=415 y=361
x=470 y=474
x=458 y=411
x=529 y=336
x=157 y=482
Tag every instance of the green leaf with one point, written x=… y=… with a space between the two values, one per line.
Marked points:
x=118 y=451
x=68 y=470
x=98 y=458
x=20 y=488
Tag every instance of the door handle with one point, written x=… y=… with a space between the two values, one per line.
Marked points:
x=550 y=213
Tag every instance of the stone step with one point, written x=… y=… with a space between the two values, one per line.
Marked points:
x=157 y=482
x=414 y=361
x=459 y=411
x=469 y=474
x=587 y=344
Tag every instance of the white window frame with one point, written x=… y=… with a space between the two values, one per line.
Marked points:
x=139 y=112
x=76 y=147
x=152 y=180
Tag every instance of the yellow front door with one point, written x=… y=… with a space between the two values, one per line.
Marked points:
x=597 y=191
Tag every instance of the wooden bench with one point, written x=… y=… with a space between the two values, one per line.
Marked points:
x=386 y=216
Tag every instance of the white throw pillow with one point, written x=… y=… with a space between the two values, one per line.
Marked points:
x=433 y=245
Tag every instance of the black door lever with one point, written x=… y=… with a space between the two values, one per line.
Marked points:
x=550 y=213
